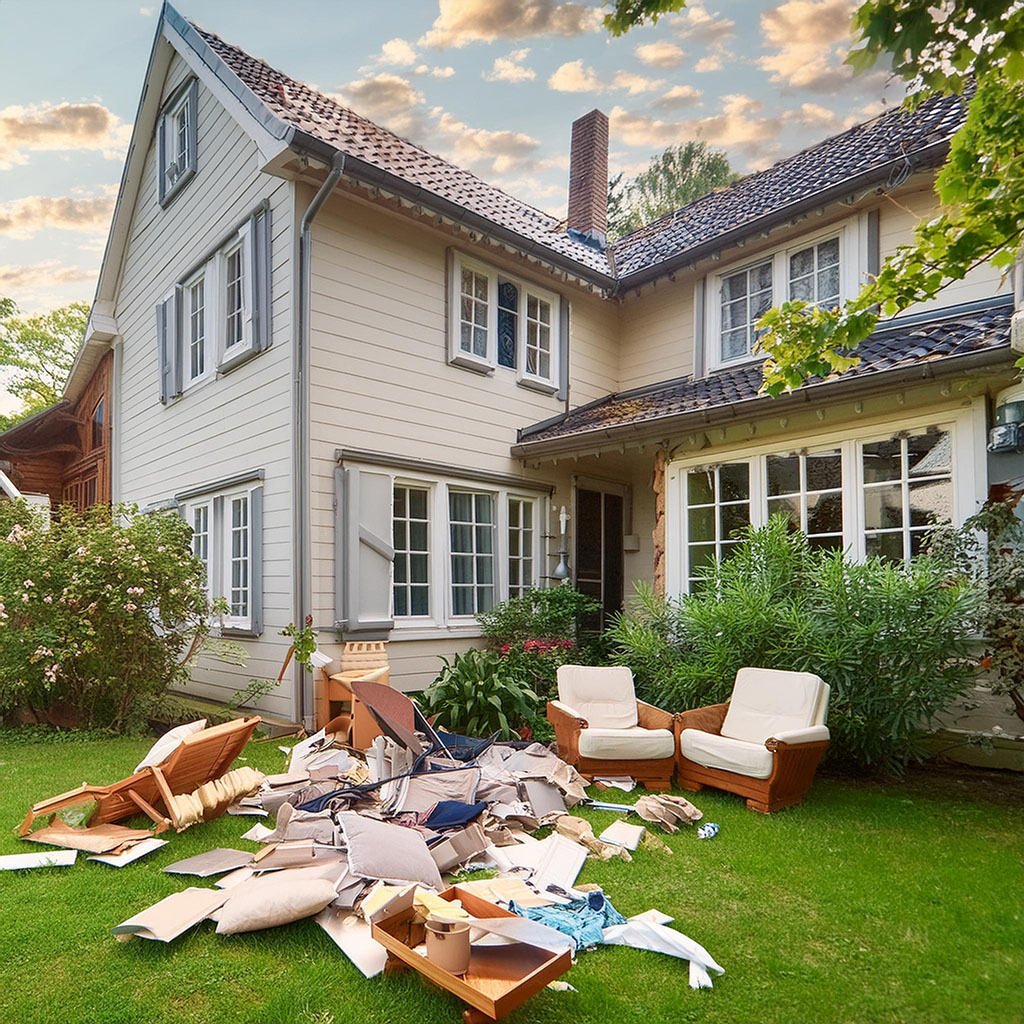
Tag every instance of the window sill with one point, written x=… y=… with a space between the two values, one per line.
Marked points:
x=545 y=387
x=177 y=187
x=732 y=364
x=471 y=362
x=415 y=631
x=235 y=632
x=232 y=360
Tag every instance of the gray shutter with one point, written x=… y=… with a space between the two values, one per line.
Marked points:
x=700 y=356
x=164 y=347
x=563 y=350
x=261 y=274
x=161 y=161
x=363 y=552
x=193 y=124
x=216 y=548
x=874 y=260
x=177 y=337
x=256 y=559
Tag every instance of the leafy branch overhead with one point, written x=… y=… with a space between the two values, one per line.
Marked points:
x=627 y=14
x=976 y=51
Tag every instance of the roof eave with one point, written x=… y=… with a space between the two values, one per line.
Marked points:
x=812 y=394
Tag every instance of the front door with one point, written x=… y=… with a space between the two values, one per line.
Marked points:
x=599 y=549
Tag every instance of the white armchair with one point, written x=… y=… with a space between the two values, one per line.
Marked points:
x=764 y=744
x=603 y=729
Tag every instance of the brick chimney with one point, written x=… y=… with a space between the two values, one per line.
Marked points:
x=588 y=178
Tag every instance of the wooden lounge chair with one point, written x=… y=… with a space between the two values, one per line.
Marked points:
x=603 y=730
x=200 y=758
x=764 y=744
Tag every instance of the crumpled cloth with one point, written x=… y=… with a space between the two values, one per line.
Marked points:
x=579 y=830
x=640 y=934
x=667 y=811
x=584 y=921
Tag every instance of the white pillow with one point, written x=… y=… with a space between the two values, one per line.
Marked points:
x=168 y=743
x=387 y=853
x=269 y=902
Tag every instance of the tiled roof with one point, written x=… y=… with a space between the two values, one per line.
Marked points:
x=891 y=348
x=329 y=121
x=838 y=159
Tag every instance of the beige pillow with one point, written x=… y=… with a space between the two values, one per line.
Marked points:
x=269 y=902
x=169 y=743
x=387 y=853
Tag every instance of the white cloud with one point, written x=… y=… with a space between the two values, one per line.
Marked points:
x=712 y=62
x=574 y=77
x=825 y=119
x=397 y=53
x=146 y=12
x=661 y=54
x=636 y=83
x=804 y=34
x=695 y=23
x=389 y=99
x=467 y=21
x=48 y=127
x=22 y=218
x=436 y=72
x=510 y=68
x=679 y=96
x=485 y=151
x=14 y=278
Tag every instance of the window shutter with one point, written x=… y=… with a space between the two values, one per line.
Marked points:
x=193 y=124
x=700 y=360
x=165 y=348
x=177 y=339
x=256 y=559
x=563 y=350
x=161 y=160
x=259 y=274
x=874 y=255
x=363 y=557
x=216 y=549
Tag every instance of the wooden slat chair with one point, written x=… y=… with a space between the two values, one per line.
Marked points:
x=764 y=744
x=361 y=661
x=603 y=730
x=200 y=758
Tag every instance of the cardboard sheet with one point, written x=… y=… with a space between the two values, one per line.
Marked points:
x=234 y=878
x=555 y=860
x=623 y=782
x=623 y=834
x=173 y=915
x=258 y=833
x=46 y=859
x=99 y=839
x=351 y=934
x=133 y=853
x=214 y=862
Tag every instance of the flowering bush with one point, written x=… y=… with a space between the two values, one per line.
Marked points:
x=98 y=610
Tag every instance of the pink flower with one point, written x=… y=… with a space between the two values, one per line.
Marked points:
x=48 y=599
x=82 y=552
x=29 y=583
x=129 y=607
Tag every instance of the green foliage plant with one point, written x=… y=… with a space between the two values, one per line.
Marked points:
x=895 y=643
x=627 y=14
x=101 y=610
x=479 y=693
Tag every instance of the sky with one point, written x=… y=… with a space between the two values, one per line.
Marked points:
x=493 y=85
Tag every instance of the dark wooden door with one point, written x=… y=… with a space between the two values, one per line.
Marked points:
x=599 y=549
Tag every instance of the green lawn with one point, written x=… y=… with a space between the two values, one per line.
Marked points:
x=869 y=903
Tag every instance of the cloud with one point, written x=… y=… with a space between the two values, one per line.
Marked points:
x=22 y=218
x=574 y=77
x=678 y=96
x=661 y=54
x=425 y=69
x=14 y=278
x=389 y=99
x=636 y=83
x=510 y=68
x=485 y=151
x=63 y=126
x=712 y=62
x=813 y=115
x=467 y=21
x=147 y=12
x=804 y=34
x=695 y=23
x=397 y=53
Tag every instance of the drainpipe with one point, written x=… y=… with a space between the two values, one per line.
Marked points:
x=302 y=553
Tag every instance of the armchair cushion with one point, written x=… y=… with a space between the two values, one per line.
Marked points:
x=766 y=702
x=813 y=734
x=705 y=748
x=603 y=696
x=634 y=744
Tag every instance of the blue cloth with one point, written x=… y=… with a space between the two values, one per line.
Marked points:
x=449 y=814
x=582 y=920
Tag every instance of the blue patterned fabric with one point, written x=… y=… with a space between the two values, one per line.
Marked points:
x=582 y=920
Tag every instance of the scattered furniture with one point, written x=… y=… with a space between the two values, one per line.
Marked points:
x=764 y=744
x=603 y=730
x=361 y=661
x=499 y=978
x=200 y=758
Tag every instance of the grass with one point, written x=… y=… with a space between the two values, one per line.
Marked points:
x=869 y=903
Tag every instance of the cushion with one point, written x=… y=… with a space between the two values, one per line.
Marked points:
x=751 y=759
x=268 y=902
x=169 y=743
x=634 y=744
x=387 y=853
x=421 y=792
x=603 y=696
x=768 y=701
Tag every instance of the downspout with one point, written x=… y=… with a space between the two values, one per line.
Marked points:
x=302 y=553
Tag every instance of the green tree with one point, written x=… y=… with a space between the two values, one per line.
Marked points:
x=37 y=352
x=943 y=48
x=627 y=14
x=674 y=178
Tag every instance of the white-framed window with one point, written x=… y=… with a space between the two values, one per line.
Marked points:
x=176 y=141
x=521 y=515
x=471 y=522
x=238 y=554
x=200 y=521
x=499 y=320
x=823 y=269
x=411 y=540
x=196 y=325
x=870 y=492
x=234 y=292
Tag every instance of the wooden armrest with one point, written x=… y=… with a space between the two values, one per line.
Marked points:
x=650 y=717
x=567 y=728
x=707 y=719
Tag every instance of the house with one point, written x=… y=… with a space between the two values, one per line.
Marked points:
x=371 y=382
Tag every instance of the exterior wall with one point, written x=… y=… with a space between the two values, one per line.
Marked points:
x=240 y=421
x=657 y=333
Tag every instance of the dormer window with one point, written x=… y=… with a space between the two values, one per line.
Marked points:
x=746 y=297
x=176 y=141
x=814 y=274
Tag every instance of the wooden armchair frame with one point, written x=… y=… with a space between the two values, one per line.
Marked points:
x=793 y=765
x=654 y=774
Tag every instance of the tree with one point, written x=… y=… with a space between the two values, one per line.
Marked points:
x=37 y=353
x=627 y=14
x=974 y=50
x=674 y=178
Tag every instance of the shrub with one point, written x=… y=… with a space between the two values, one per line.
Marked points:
x=893 y=642
x=100 y=611
x=479 y=693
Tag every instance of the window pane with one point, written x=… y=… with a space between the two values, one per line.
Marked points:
x=734 y=314
x=417 y=504
x=882 y=461
x=462 y=568
x=828 y=286
x=930 y=454
x=885 y=545
x=801 y=263
x=462 y=537
x=824 y=471
x=480 y=287
x=701 y=556
x=789 y=507
x=420 y=601
x=931 y=502
x=826 y=543
x=412 y=559
x=700 y=487
x=883 y=507
x=461 y=506
x=734 y=344
x=734 y=287
x=825 y=513
x=507 y=328
x=702 y=524
x=802 y=289
x=734 y=480
x=733 y=519
x=828 y=252
x=783 y=474
x=762 y=277
x=417 y=536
